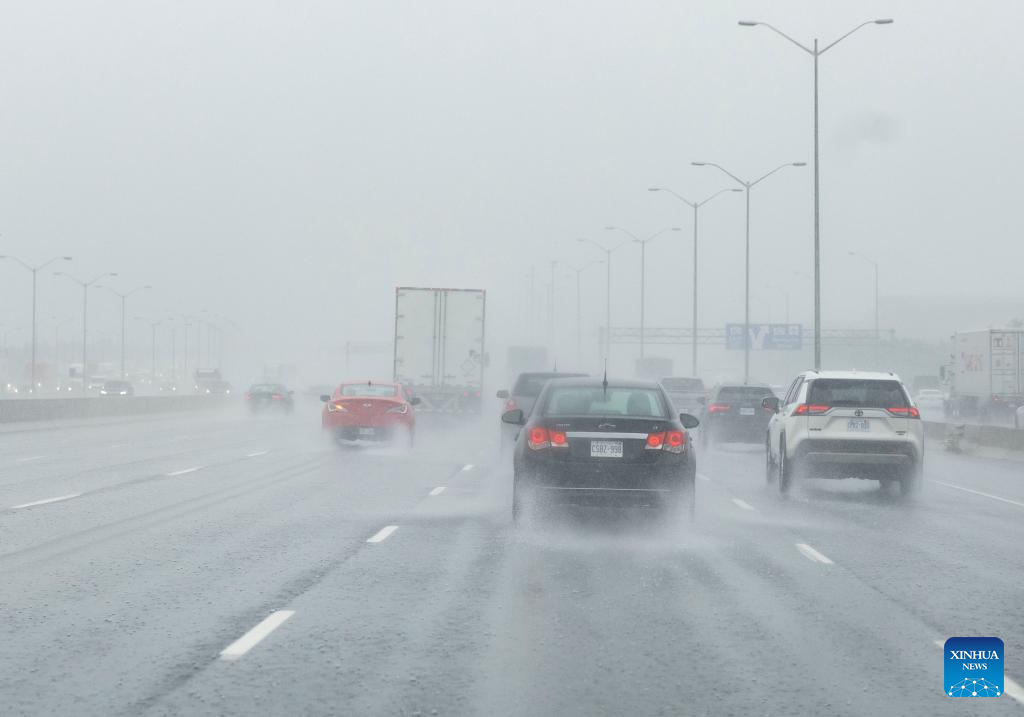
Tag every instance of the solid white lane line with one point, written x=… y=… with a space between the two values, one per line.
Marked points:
x=183 y=471
x=383 y=534
x=812 y=554
x=256 y=635
x=467 y=467
x=30 y=458
x=1011 y=688
x=742 y=504
x=701 y=476
x=978 y=492
x=437 y=491
x=257 y=453
x=59 y=498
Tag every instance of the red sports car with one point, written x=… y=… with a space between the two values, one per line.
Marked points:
x=370 y=411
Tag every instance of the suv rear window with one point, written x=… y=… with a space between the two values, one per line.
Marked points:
x=531 y=384
x=857 y=393
x=743 y=393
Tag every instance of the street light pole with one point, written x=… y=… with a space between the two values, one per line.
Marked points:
x=124 y=321
x=85 y=321
x=746 y=311
x=816 y=53
x=643 y=268
x=152 y=326
x=608 y=291
x=35 y=271
x=579 y=309
x=695 y=206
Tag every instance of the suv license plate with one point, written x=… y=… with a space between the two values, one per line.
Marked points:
x=366 y=431
x=857 y=425
x=606 y=449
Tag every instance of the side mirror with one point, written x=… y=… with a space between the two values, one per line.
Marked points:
x=415 y=401
x=701 y=400
x=771 y=403
x=688 y=421
x=515 y=417
x=503 y=393
x=325 y=398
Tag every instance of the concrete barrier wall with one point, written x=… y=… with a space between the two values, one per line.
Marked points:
x=51 y=409
x=988 y=436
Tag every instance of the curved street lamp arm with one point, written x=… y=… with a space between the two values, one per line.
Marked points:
x=624 y=231
x=777 y=31
x=843 y=37
x=721 y=168
x=678 y=196
x=708 y=199
x=781 y=166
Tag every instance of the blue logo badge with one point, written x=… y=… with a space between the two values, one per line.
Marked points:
x=974 y=667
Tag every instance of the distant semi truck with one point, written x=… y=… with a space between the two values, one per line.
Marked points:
x=439 y=346
x=986 y=376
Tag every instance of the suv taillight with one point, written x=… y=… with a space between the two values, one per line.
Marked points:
x=905 y=412
x=808 y=409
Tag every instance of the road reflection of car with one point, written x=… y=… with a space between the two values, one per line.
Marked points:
x=269 y=397
x=734 y=412
x=523 y=395
x=688 y=395
x=931 y=402
x=845 y=424
x=370 y=411
x=213 y=388
x=587 y=441
x=117 y=388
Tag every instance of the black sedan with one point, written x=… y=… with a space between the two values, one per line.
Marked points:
x=591 y=440
x=269 y=397
x=734 y=412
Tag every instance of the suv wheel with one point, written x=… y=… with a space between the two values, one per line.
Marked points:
x=769 y=464
x=786 y=469
x=910 y=481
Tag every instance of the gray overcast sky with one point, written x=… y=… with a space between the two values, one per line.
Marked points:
x=288 y=163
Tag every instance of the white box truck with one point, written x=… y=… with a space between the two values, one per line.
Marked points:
x=439 y=346
x=987 y=378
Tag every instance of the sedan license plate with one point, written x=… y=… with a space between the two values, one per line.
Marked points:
x=746 y=411
x=606 y=449
x=857 y=425
x=366 y=431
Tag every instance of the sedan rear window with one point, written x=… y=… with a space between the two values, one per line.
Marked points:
x=367 y=390
x=743 y=393
x=682 y=384
x=589 y=401
x=857 y=393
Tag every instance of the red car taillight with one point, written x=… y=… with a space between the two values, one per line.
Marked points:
x=276 y=396
x=655 y=441
x=807 y=409
x=718 y=408
x=905 y=412
x=541 y=437
x=671 y=441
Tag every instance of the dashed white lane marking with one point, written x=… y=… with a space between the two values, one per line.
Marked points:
x=256 y=454
x=811 y=554
x=437 y=491
x=742 y=504
x=1011 y=688
x=468 y=467
x=256 y=635
x=119 y=445
x=59 y=498
x=978 y=492
x=701 y=476
x=28 y=459
x=183 y=471
x=383 y=534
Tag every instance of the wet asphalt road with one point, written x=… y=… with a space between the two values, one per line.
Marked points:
x=166 y=540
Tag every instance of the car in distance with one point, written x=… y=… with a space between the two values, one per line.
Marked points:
x=167 y=387
x=216 y=387
x=931 y=402
x=269 y=397
x=589 y=440
x=370 y=411
x=688 y=395
x=117 y=388
x=524 y=393
x=845 y=424
x=734 y=412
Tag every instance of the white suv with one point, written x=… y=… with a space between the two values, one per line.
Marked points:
x=845 y=424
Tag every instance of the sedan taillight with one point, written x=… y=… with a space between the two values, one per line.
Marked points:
x=718 y=408
x=540 y=438
x=336 y=407
x=404 y=408
x=671 y=441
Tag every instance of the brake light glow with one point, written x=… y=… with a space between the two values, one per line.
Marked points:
x=905 y=412
x=336 y=407
x=718 y=408
x=538 y=438
x=655 y=441
x=276 y=396
x=403 y=408
x=808 y=409
x=675 y=441
x=558 y=439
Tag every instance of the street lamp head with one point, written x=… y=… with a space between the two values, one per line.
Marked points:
x=884 y=21
x=799 y=164
x=699 y=164
x=676 y=229
x=66 y=258
x=748 y=23
x=610 y=228
x=852 y=253
x=655 y=189
x=735 y=190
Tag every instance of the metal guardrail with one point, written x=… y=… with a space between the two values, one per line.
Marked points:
x=981 y=435
x=52 y=409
